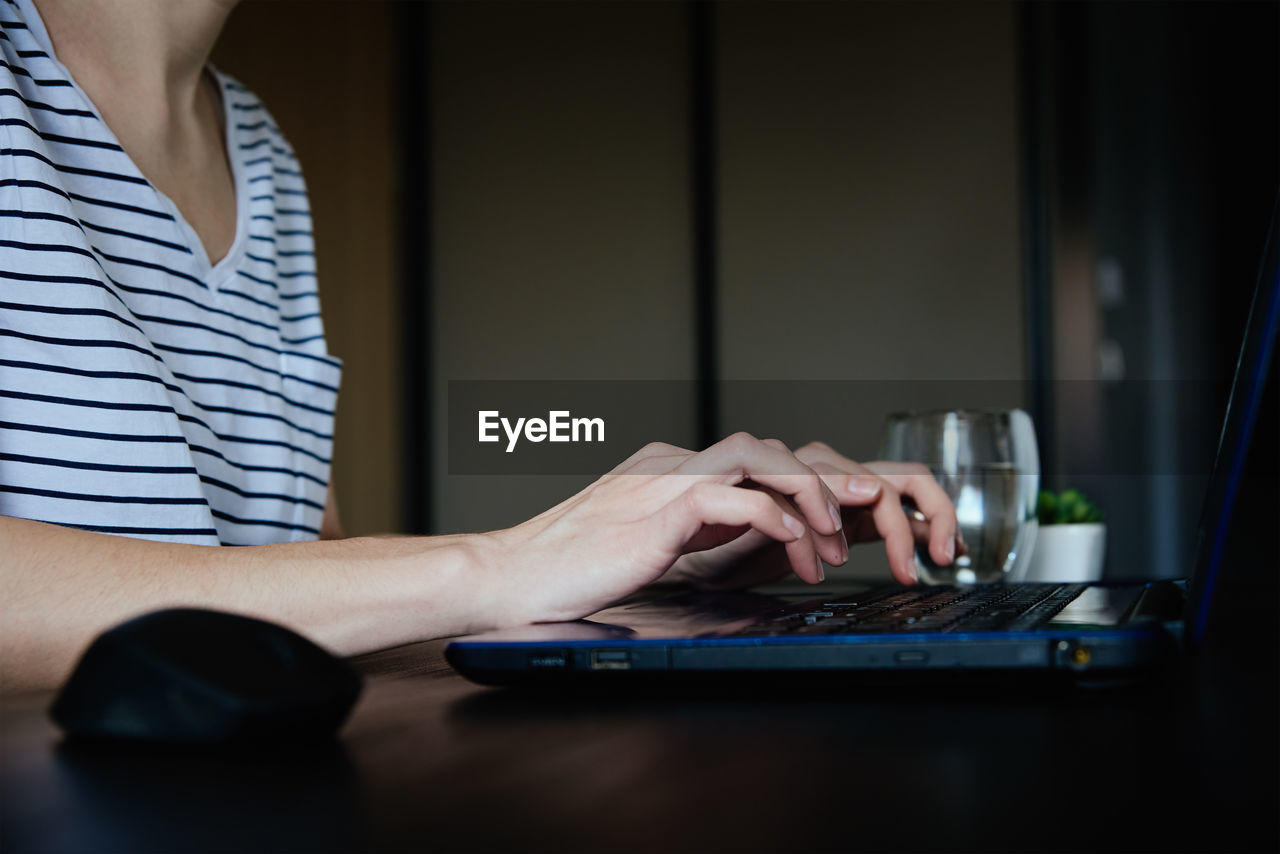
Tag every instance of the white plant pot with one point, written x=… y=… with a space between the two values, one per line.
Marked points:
x=1068 y=553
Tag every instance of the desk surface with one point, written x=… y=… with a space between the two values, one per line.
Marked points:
x=429 y=761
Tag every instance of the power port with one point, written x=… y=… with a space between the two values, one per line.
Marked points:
x=1075 y=655
x=610 y=659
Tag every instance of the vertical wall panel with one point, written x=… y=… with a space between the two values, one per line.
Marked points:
x=561 y=215
x=868 y=209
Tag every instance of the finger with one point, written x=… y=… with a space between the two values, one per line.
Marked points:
x=899 y=544
x=917 y=520
x=861 y=486
x=856 y=488
x=707 y=503
x=816 y=451
x=886 y=520
x=742 y=456
x=917 y=483
x=909 y=479
x=833 y=548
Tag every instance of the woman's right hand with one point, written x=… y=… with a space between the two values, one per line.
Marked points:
x=627 y=529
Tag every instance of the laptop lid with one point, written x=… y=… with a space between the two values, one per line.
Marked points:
x=1247 y=393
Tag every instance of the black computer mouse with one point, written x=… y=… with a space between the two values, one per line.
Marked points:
x=205 y=677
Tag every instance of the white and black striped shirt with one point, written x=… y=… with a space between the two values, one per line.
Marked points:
x=144 y=392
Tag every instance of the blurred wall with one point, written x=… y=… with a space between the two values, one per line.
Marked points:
x=866 y=171
x=866 y=207
x=325 y=71
x=1161 y=169
x=560 y=203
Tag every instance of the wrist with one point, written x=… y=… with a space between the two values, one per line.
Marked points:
x=400 y=590
x=491 y=577
x=446 y=583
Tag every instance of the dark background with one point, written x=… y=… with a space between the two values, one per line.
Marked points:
x=1065 y=199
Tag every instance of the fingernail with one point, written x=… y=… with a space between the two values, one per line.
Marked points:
x=915 y=573
x=794 y=525
x=844 y=549
x=864 y=487
x=835 y=515
x=822 y=575
x=951 y=548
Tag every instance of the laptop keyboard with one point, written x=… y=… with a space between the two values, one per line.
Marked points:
x=1015 y=607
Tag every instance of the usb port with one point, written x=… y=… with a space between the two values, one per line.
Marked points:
x=610 y=659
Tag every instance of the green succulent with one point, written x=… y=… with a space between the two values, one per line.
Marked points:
x=1068 y=507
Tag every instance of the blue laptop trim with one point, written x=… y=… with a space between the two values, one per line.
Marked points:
x=1243 y=406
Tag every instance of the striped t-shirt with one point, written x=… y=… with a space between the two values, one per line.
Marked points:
x=144 y=392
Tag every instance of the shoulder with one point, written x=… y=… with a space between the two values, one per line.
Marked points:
x=15 y=34
x=34 y=88
x=28 y=70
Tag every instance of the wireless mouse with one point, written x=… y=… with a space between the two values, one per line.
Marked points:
x=196 y=676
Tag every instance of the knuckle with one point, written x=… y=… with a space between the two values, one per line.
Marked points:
x=696 y=496
x=699 y=492
x=639 y=456
x=739 y=441
x=760 y=503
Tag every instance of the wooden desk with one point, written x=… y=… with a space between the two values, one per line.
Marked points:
x=430 y=762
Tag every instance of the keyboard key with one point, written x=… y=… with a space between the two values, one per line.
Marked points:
x=940 y=609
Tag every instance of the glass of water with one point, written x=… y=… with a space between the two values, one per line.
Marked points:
x=988 y=464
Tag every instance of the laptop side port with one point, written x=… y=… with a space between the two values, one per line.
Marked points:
x=610 y=659
x=1074 y=654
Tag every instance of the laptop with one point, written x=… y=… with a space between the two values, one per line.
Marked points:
x=1081 y=632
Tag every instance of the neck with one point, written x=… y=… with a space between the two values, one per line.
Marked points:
x=146 y=53
x=141 y=62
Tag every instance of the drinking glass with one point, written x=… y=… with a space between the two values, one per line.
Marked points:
x=988 y=464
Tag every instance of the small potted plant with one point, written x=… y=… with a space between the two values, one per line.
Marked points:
x=1071 y=545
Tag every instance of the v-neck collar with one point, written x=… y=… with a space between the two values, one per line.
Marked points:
x=213 y=275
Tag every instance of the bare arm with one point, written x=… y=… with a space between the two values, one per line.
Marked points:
x=63 y=586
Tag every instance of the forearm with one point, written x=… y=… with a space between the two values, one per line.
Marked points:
x=64 y=586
